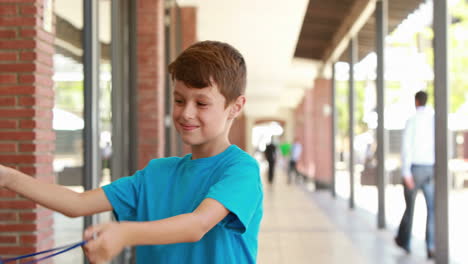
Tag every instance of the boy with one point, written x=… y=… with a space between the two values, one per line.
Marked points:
x=203 y=208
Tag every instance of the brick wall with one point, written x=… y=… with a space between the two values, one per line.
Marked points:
x=150 y=80
x=26 y=135
x=322 y=133
x=313 y=127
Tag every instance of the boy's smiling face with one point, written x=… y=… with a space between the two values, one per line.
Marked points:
x=200 y=115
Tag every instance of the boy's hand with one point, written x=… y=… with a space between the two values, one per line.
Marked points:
x=110 y=239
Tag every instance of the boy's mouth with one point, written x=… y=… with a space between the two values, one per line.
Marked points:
x=186 y=127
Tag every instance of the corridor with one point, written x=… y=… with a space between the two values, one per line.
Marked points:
x=300 y=226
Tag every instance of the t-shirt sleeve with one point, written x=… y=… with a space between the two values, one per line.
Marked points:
x=240 y=191
x=123 y=196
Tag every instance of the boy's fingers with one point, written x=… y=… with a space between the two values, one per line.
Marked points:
x=92 y=231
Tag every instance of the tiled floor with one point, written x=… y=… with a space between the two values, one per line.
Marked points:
x=301 y=226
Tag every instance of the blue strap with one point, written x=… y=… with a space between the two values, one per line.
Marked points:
x=60 y=250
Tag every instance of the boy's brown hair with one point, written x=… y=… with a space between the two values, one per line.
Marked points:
x=206 y=62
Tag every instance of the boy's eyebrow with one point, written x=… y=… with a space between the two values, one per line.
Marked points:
x=199 y=96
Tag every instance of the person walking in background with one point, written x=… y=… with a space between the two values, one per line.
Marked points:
x=418 y=171
x=270 y=156
x=296 y=151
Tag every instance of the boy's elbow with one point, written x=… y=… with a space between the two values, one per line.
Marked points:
x=200 y=230
x=71 y=215
x=196 y=236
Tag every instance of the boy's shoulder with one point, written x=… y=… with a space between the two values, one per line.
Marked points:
x=239 y=157
x=163 y=162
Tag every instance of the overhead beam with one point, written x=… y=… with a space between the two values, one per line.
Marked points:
x=360 y=12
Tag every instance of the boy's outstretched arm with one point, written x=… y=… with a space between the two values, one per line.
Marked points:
x=191 y=227
x=53 y=196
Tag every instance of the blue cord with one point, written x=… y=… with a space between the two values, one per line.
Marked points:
x=60 y=250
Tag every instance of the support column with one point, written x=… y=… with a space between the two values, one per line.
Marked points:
x=441 y=99
x=92 y=158
x=26 y=133
x=334 y=119
x=150 y=80
x=352 y=61
x=381 y=33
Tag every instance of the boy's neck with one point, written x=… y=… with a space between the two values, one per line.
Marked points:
x=209 y=150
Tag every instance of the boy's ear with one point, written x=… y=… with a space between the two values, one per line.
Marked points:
x=236 y=107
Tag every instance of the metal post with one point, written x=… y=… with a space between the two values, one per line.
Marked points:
x=441 y=91
x=352 y=61
x=122 y=160
x=381 y=32
x=92 y=159
x=333 y=155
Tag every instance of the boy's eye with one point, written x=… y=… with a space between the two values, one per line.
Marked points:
x=201 y=104
x=178 y=101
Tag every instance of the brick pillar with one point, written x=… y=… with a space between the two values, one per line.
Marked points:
x=26 y=135
x=150 y=80
x=322 y=134
x=306 y=164
x=313 y=127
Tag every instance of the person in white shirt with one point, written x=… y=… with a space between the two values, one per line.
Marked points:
x=418 y=171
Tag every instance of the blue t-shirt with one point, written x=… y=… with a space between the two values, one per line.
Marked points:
x=173 y=186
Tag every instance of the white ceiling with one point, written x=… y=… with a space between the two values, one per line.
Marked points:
x=265 y=32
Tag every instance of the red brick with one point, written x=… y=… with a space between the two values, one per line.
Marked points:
x=8 y=239
x=44 y=158
x=17 y=1
x=17 y=135
x=28 y=239
x=7 y=34
x=4 y=193
x=7 y=101
x=7 y=147
x=18 y=21
x=16 y=204
x=46 y=59
x=8 y=56
x=17 y=113
x=44 y=80
x=39 y=101
x=8 y=10
x=8 y=123
x=47 y=48
x=26 y=78
x=28 y=33
x=17 y=44
x=17 y=89
x=29 y=10
x=39 y=147
x=40 y=124
x=7 y=78
x=16 y=250
x=18 y=67
x=14 y=159
x=44 y=113
x=28 y=56
x=44 y=69
x=8 y=216
x=41 y=235
x=46 y=36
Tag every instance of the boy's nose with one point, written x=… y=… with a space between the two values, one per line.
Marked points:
x=189 y=111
